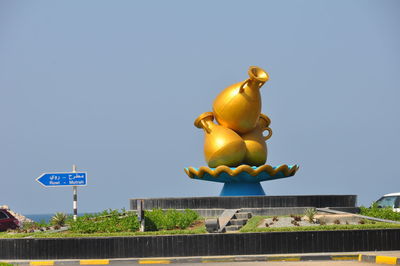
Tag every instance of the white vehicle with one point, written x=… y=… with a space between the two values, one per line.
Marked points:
x=391 y=200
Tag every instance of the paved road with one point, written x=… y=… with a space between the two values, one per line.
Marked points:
x=286 y=263
x=275 y=263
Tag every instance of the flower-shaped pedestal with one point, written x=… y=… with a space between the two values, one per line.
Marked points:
x=243 y=180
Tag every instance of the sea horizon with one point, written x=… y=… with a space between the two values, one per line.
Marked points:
x=46 y=217
x=43 y=217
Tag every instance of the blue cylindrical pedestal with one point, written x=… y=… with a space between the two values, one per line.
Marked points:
x=242 y=189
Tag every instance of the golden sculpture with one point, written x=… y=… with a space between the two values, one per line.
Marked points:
x=234 y=147
x=238 y=107
x=222 y=146
x=256 y=149
x=238 y=139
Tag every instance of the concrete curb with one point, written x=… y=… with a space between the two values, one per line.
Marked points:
x=379 y=259
x=344 y=257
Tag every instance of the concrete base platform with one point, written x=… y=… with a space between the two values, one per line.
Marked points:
x=208 y=213
x=316 y=201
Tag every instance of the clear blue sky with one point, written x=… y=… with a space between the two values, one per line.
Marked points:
x=114 y=87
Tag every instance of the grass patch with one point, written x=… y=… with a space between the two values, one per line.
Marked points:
x=252 y=224
x=5 y=264
x=198 y=230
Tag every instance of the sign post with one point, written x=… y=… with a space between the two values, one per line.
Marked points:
x=75 y=196
x=140 y=213
x=74 y=179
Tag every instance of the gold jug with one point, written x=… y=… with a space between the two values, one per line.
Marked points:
x=238 y=107
x=256 y=149
x=222 y=146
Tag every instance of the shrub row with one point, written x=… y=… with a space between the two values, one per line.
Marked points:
x=157 y=219
x=383 y=213
x=113 y=221
x=108 y=222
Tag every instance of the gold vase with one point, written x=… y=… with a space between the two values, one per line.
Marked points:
x=256 y=148
x=222 y=146
x=238 y=107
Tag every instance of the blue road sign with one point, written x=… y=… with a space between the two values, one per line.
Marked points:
x=62 y=179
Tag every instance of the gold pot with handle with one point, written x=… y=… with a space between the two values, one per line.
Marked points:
x=238 y=107
x=222 y=146
x=256 y=148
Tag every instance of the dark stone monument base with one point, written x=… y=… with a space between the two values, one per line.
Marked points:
x=239 y=202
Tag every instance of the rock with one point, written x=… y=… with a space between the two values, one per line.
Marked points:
x=342 y=218
x=22 y=219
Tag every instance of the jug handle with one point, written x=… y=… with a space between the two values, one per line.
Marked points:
x=205 y=126
x=241 y=89
x=269 y=133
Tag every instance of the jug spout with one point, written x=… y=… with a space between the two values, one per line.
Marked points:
x=203 y=121
x=257 y=78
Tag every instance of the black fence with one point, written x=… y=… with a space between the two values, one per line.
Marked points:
x=201 y=245
x=317 y=201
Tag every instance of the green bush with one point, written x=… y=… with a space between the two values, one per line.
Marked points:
x=5 y=264
x=383 y=213
x=110 y=221
x=310 y=214
x=157 y=219
x=59 y=219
